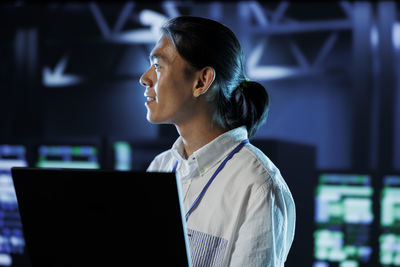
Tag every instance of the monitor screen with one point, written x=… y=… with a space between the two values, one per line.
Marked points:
x=11 y=236
x=389 y=239
x=68 y=156
x=123 y=156
x=343 y=220
x=136 y=155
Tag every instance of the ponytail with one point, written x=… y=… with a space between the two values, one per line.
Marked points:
x=248 y=106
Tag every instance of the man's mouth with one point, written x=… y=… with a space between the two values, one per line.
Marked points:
x=149 y=99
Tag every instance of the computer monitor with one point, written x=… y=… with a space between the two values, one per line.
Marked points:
x=343 y=220
x=68 y=153
x=11 y=237
x=122 y=152
x=127 y=154
x=389 y=238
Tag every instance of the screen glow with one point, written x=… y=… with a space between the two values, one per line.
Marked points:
x=82 y=157
x=343 y=217
x=122 y=156
x=389 y=238
x=11 y=236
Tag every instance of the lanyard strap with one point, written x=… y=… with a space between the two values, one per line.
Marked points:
x=200 y=196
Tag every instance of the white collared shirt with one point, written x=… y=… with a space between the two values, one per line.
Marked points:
x=247 y=215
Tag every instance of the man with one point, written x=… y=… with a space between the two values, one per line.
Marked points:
x=240 y=211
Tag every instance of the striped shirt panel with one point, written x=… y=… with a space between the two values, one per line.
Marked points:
x=206 y=250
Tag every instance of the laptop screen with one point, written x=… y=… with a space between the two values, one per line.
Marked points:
x=91 y=217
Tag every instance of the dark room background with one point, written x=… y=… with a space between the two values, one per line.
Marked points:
x=69 y=75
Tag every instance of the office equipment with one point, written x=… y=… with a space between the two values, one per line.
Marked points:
x=64 y=156
x=11 y=237
x=100 y=218
x=77 y=153
x=389 y=239
x=344 y=218
x=122 y=155
x=134 y=155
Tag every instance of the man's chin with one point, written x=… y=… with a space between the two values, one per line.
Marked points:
x=154 y=120
x=158 y=119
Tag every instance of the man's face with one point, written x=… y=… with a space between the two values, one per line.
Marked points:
x=168 y=93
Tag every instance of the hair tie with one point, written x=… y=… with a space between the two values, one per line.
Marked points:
x=243 y=84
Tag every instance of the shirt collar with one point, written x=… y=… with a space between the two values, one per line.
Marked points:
x=212 y=153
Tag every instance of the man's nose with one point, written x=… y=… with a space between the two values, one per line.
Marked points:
x=145 y=79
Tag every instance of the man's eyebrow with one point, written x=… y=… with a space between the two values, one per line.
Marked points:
x=157 y=56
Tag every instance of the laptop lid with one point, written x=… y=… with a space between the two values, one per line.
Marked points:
x=93 y=217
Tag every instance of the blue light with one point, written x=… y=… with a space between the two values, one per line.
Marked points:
x=374 y=36
x=5 y=260
x=320 y=264
x=259 y=72
x=143 y=36
x=396 y=35
x=57 y=78
x=271 y=72
x=171 y=9
x=105 y=30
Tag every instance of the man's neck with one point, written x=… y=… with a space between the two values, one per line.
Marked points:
x=195 y=137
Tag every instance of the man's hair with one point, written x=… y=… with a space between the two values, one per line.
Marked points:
x=203 y=42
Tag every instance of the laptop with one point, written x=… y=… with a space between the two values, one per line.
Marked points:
x=101 y=218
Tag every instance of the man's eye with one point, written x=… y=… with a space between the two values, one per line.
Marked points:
x=156 y=65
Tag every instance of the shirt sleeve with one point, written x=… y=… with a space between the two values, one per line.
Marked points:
x=153 y=167
x=266 y=233
x=161 y=163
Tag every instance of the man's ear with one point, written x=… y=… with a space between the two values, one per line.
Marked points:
x=206 y=77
